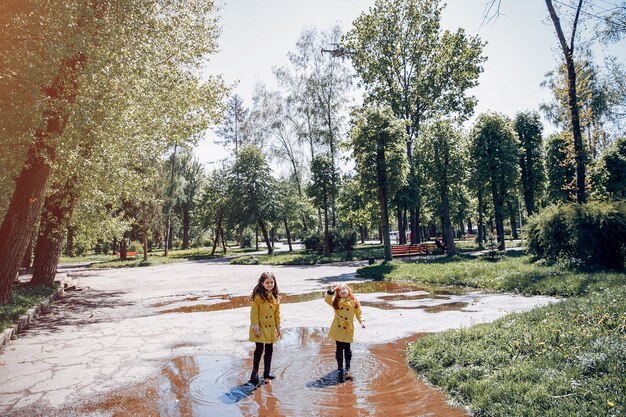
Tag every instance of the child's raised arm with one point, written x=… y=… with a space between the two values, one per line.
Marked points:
x=328 y=297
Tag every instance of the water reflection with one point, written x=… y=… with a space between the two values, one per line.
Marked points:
x=306 y=384
x=396 y=291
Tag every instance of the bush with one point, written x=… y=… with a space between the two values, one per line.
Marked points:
x=246 y=239
x=591 y=234
x=314 y=242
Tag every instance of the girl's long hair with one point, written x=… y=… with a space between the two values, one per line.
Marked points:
x=260 y=289
x=350 y=296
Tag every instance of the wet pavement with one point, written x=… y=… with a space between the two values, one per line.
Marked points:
x=172 y=341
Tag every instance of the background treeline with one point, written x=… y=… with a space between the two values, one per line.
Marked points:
x=98 y=129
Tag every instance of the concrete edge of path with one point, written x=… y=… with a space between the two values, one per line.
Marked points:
x=24 y=321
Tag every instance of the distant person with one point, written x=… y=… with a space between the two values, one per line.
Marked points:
x=264 y=324
x=440 y=244
x=346 y=307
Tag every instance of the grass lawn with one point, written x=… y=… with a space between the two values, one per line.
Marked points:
x=155 y=257
x=565 y=359
x=301 y=257
x=22 y=299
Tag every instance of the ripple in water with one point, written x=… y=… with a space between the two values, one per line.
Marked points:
x=307 y=384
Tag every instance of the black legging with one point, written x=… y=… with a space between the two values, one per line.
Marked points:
x=267 y=360
x=343 y=349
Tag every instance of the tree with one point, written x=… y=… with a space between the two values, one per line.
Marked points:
x=406 y=62
x=560 y=169
x=193 y=175
x=213 y=205
x=567 y=50
x=495 y=151
x=613 y=165
x=233 y=129
x=60 y=87
x=251 y=192
x=323 y=190
x=377 y=141
x=442 y=145
x=528 y=127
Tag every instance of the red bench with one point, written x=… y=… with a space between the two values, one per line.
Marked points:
x=399 y=251
x=128 y=254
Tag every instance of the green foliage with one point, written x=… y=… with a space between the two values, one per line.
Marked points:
x=495 y=151
x=591 y=234
x=561 y=170
x=375 y=130
x=613 y=165
x=22 y=300
x=250 y=189
x=528 y=127
x=565 y=359
x=247 y=239
x=409 y=64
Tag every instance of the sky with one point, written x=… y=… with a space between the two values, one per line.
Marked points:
x=521 y=47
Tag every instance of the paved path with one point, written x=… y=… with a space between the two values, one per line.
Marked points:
x=118 y=331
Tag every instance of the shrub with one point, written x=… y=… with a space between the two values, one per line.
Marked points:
x=591 y=234
x=246 y=239
x=314 y=242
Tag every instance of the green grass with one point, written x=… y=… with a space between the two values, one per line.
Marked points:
x=301 y=257
x=156 y=257
x=566 y=359
x=22 y=299
x=514 y=273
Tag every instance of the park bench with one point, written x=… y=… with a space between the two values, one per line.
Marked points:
x=128 y=254
x=468 y=237
x=400 y=251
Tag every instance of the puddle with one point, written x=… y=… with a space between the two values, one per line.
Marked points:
x=306 y=384
x=395 y=289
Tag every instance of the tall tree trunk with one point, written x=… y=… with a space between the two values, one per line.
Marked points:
x=326 y=234
x=218 y=226
x=266 y=237
x=512 y=220
x=498 y=208
x=57 y=211
x=28 y=255
x=415 y=227
x=381 y=175
x=287 y=233
x=481 y=219
x=568 y=54
x=69 y=241
x=144 y=231
x=224 y=247
x=470 y=230
x=167 y=233
x=20 y=218
x=185 y=227
x=448 y=230
x=123 y=249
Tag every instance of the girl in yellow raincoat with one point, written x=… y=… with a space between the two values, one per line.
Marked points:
x=264 y=324
x=346 y=307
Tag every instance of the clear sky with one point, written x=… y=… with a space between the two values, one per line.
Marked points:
x=521 y=47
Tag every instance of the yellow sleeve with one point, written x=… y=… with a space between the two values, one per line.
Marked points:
x=357 y=313
x=255 y=306
x=329 y=299
x=277 y=315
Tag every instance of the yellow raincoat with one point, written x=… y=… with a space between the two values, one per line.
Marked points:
x=265 y=315
x=342 y=328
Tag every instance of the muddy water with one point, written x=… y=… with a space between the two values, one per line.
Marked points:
x=306 y=384
x=396 y=291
